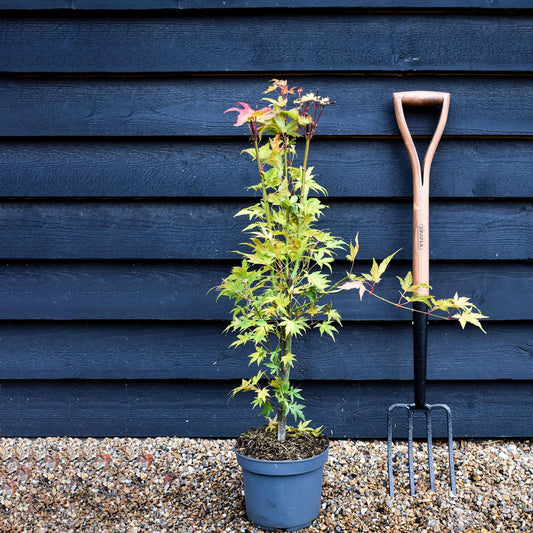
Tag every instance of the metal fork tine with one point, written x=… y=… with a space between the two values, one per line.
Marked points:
x=450 y=445
x=389 y=450
x=450 y=449
x=451 y=465
x=389 y=442
x=430 y=449
x=410 y=451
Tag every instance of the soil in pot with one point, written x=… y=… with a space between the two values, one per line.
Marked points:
x=259 y=443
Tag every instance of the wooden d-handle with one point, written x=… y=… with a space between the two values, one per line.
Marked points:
x=421 y=176
x=422 y=98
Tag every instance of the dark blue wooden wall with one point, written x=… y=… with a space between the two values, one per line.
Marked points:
x=120 y=176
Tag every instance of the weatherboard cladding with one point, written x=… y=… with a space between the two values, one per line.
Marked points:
x=120 y=176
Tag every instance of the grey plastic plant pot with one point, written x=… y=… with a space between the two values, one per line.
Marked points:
x=282 y=494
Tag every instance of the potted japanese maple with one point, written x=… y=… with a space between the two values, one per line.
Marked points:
x=280 y=291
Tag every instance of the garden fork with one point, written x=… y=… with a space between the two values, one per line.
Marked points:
x=420 y=276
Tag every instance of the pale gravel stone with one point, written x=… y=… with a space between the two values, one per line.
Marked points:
x=193 y=485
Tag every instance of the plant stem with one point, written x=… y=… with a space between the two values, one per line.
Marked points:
x=303 y=192
x=285 y=371
x=263 y=185
x=402 y=306
x=306 y=151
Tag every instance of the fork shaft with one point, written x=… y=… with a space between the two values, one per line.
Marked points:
x=419 y=353
x=410 y=427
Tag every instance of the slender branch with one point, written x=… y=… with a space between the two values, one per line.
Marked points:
x=263 y=185
x=402 y=306
x=303 y=192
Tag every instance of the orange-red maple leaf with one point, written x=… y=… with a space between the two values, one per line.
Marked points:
x=247 y=114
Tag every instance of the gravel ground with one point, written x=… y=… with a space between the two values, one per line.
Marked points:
x=193 y=485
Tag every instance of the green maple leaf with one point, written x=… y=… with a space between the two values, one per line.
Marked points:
x=354 y=249
x=406 y=282
x=468 y=317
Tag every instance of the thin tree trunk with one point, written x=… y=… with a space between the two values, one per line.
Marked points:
x=285 y=377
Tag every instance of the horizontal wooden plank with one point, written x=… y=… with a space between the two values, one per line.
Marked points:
x=237 y=42
x=179 y=291
x=203 y=409
x=171 y=168
x=194 y=106
x=176 y=350
x=152 y=5
x=209 y=230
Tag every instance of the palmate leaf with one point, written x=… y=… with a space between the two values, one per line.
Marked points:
x=252 y=226
x=304 y=120
x=272 y=425
x=407 y=282
x=469 y=317
x=426 y=299
x=294 y=327
x=267 y=409
x=303 y=427
x=354 y=283
x=296 y=410
x=288 y=359
x=248 y=385
x=244 y=114
x=282 y=301
x=280 y=102
x=313 y=309
x=257 y=357
x=318 y=280
x=385 y=263
x=242 y=339
x=259 y=259
x=294 y=393
x=240 y=272
x=354 y=249
x=441 y=304
x=251 y=212
x=250 y=152
x=281 y=123
x=374 y=273
x=327 y=327
x=461 y=302
x=262 y=395
x=240 y=323
x=332 y=314
x=273 y=367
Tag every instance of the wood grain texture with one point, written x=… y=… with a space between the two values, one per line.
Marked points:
x=209 y=230
x=120 y=175
x=151 y=5
x=203 y=409
x=462 y=168
x=200 y=351
x=146 y=107
x=238 y=43
x=179 y=290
